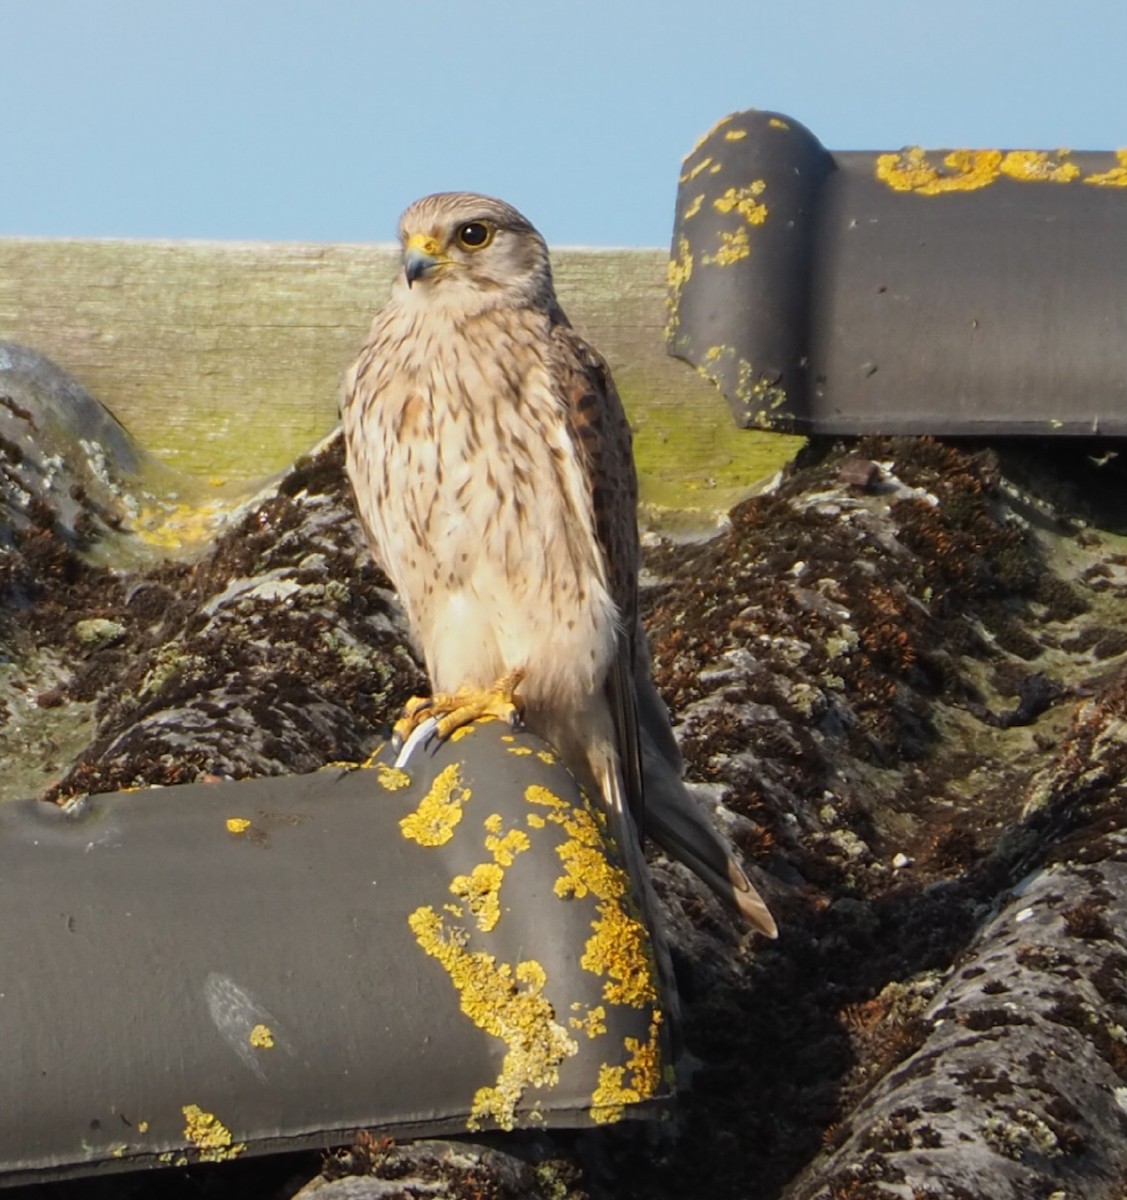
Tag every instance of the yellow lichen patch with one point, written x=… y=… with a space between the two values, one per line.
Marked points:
x=735 y=135
x=618 y=949
x=506 y=846
x=391 y=779
x=694 y=207
x=778 y=123
x=520 y=751
x=507 y=1003
x=911 y=171
x=536 y=793
x=593 y=1023
x=175 y=526
x=705 y=136
x=547 y=757
x=744 y=201
x=1116 y=177
x=481 y=891
x=678 y=272
x=644 y=1065
x=439 y=811
x=261 y=1038
x=734 y=246
x=535 y=821
x=237 y=825
x=462 y=731
x=209 y=1135
x=1039 y=166
x=680 y=269
x=142 y=1127
x=691 y=174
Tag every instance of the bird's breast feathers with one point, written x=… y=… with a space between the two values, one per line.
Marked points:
x=470 y=487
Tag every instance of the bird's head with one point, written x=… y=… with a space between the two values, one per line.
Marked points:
x=472 y=252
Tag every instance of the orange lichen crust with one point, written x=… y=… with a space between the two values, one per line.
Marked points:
x=506 y=1002
x=644 y=1066
x=504 y=846
x=439 y=811
x=1116 y=177
x=391 y=779
x=209 y=1135
x=618 y=950
x=261 y=1037
x=912 y=170
x=593 y=1022
x=481 y=892
x=744 y=201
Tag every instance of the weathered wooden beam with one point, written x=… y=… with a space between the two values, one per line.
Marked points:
x=225 y=358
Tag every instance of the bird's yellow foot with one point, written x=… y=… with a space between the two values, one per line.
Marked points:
x=441 y=714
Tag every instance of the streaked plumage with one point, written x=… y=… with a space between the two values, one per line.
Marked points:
x=491 y=461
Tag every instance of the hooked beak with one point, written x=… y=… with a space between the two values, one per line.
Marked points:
x=421 y=256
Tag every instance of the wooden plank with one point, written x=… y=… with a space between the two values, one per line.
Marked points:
x=225 y=358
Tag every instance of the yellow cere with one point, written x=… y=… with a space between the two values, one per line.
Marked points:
x=644 y=1066
x=261 y=1038
x=439 y=811
x=391 y=779
x=237 y=825
x=913 y=170
x=618 y=949
x=209 y=1135
x=507 y=1003
x=1116 y=177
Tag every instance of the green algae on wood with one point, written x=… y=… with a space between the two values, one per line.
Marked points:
x=224 y=359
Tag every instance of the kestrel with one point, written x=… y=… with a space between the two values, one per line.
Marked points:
x=491 y=461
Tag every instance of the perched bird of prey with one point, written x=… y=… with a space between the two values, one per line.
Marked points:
x=491 y=461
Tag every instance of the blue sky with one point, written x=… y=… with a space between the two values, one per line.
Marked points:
x=320 y=120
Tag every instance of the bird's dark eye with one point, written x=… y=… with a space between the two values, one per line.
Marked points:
x=473 y=235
